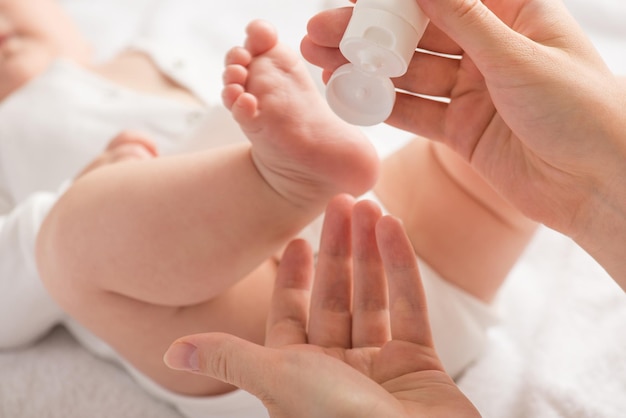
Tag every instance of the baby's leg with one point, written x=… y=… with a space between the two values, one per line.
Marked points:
x=463 y=230
x=140 y=332
x=302 y=149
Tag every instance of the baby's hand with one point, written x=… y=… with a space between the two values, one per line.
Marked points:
x=126 y=146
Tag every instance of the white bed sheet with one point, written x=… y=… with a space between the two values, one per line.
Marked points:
x=561 y=350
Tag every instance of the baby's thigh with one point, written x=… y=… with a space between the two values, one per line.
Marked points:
x=141 y=332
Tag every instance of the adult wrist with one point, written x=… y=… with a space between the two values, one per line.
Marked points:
x=601 y=227
x=602 y=236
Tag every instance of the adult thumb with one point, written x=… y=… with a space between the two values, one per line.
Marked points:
x=223 y=357
x=475 y=28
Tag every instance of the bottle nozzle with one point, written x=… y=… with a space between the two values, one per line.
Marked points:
x=369 y=61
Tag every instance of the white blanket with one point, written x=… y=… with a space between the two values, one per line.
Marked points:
x=559 y=351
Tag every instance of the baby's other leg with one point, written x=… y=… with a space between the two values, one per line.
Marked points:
x=457 y=222
x=301 y=148
x=140 y=332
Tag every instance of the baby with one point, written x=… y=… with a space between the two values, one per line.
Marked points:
x=143 y=251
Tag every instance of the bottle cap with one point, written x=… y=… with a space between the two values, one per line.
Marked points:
x=360 y=97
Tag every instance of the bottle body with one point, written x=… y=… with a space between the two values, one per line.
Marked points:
x=379 y=42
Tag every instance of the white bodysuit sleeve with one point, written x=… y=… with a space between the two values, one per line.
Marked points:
x=26 y=310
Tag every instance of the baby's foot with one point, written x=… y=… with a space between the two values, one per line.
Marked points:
x=301 y=148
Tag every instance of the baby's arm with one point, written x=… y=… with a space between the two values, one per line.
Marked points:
x=126 y=146
x=458 y=224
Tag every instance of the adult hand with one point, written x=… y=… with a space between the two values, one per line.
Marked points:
x=531 y=105
x=126 y=146
x=361 y=348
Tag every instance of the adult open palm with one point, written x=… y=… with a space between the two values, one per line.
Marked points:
x=357 y=345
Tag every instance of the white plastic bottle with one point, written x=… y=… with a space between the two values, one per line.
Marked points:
x=379 y=42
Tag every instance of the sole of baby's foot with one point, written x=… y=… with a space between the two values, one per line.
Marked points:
x=300 y=147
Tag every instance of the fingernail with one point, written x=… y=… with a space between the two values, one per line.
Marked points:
x=182 y=356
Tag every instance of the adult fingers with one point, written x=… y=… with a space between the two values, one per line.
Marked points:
x=431 y=75
x=370 y=314
x=330 y=316
x=327 y=58
x=320 y=46
x=420 y=116
x=327 y=27
x=287 y=319
x=407 y=301
x=435 y=40
x=325 y=30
